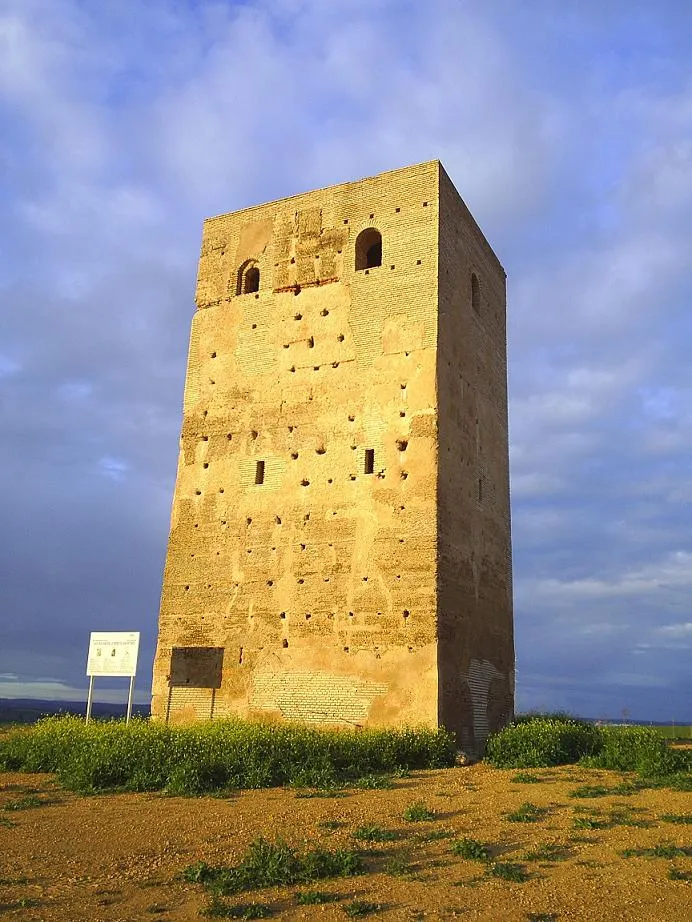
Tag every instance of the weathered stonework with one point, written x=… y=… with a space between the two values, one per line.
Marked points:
x=340 y=533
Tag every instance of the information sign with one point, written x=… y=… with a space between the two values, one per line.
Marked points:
x=113 y=653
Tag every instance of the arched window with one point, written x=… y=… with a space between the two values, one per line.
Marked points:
x=368 y=249
x=248 y=278
x=475 y=293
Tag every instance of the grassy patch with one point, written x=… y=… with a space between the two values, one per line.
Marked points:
x=661 y=850
x=680 y=818
x=541 y=916
x=418 y=812
x=397 y=867
x=679 y=874
x=374 y=783
x=434 y=835
x=25 y=803
x=216 y=755
x=602 y=790
x=526 y=813
x=315 y=897
x=330 y=824
x=590 y=822
x=220 y=909
x=357 y=908
x=267 y=864
x=552 y=851
x=372 y=833
x=526 y=778
x=471 y=849
x=542 y=741
x=507 y=870
x=24 y=902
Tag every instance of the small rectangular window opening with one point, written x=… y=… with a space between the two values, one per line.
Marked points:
x=369 y=460
x=259 y=472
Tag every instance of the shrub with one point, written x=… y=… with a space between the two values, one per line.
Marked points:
x=471 y=849
x=218 y=755
x=637 y=749
x=269 y=864
x=417 y=812
x=542 y=742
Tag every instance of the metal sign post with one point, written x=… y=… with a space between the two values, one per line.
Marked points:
x=112 y=654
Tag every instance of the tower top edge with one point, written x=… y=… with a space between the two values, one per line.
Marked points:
x=411 y=168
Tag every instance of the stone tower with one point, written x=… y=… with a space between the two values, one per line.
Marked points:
x=340 y=535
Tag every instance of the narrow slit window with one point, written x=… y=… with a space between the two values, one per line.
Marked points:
x=475 y=293
x=369 y=460
x=259 y=472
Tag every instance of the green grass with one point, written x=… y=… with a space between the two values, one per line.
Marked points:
x=372 y=833
x=535 y=741
x=526 y=813
x=680 y=818
x=397 y=867
x=24 y=803
x=471 y=849
x=434 y=835
x=217 y=756
x=662 y=850
x=418 y=812
x=541 y=917
x=679 y=874
x=374 y=783
x=315 y=897
x=590 y=822
x=507 y=870
x=526 y=778
x=267 y=864
x=625 y=789
x=552 y=851
x=219 y=909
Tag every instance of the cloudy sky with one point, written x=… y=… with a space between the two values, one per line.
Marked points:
x=566 y=125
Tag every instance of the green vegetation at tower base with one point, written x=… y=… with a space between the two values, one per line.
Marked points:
x=557 y=739
x=214 y=756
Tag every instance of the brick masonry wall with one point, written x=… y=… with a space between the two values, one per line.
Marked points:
x=319 y=583
x=341 y=596
x=476 y=645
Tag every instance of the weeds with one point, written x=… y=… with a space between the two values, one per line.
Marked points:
x=330 y=824
x=218 y=755
x=678 y=874
x=549 y=852
x=374 y=783
x=219 y=909
x=418 y=812
x=541 y=742
x=434 y=835
x=24 y=803
x=267 y=864
x=397 y=867
x=507 y=870
x=371 y=833
x=470 y=849
x=680 y=818
x=589 y=822
x=662 y=850
x=525 y=778
x=314 y=897
x=526 y=813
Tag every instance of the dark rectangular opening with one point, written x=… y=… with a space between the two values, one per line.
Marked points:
x=196 y=667
x=259 y=472
x=369 y=460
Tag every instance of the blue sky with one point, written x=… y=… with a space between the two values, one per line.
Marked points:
x=566 y=127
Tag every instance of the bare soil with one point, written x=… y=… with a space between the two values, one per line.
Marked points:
x=117 y=858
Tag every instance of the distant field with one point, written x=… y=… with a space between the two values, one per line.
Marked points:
x=675 y=733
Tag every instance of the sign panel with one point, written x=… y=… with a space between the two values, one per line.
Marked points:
x=113 y=653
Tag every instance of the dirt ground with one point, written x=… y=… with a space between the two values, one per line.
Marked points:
x=117 y=858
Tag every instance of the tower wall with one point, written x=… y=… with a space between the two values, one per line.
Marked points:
x=339 y=546
x=476 y=646
x=319 y=584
